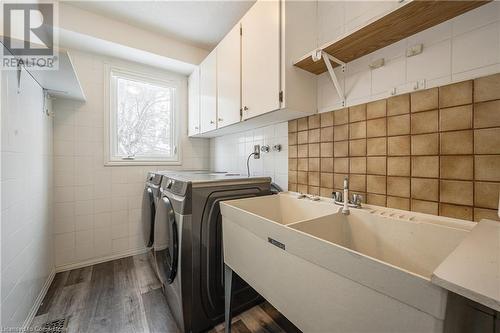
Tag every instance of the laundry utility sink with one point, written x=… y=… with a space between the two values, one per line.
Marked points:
x=363 y=272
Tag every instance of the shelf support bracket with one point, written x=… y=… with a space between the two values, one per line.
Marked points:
x=328 y=59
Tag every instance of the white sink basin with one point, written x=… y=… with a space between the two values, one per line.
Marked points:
x=365 y=272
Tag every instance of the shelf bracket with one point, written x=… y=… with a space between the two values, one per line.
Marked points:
x=328 y=59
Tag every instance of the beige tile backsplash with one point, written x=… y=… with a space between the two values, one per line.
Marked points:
x=434 y=151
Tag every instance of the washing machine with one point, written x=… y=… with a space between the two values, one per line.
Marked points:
x=150 y=198
x=188 y=245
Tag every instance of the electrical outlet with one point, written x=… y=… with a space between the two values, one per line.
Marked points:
x=256 y=152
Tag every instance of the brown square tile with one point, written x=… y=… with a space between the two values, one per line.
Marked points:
x=425 y=166
x=357 y=113
x=398 y=145
x=313 y=135
x=341 y=165
x=326 y=164
x=398 y=203
x=426 y=207
x=338 y=180
x=302 y=164
x=292 y=126
x=314 y=150
x=340 y=133
x=424 y=100
x=487 y=167
x=398 y=105
x=487 y=88
x=425 y=144
x=398 y=166
x=326 y=149
x=357 y=183
x=398 y=186
x=376 y=147
x=326 y=180
x=375 y=184
x=376 y=127
x=487 y=141
x=425 y=189
x=327 y=134
x=302 y=137
x=398 y=125
x=341 y=149
x=376 y=109
x=456 y=192
x=326 y=119
x=292 y=138
x=455 y=94
x=313 y=190
x=357 y=130
x=376 y=199
x=486 y=194
x=313 y=178
x=340 y=116
x=292 y=187
x=314 y=121
x=302 y=124
x=425 y=122
x=292 y=164
x=302 y=177
x=376 y=165
x=457 y=167
x=481 y=213
x=487 y=114
x=292 y=177
x=326 y=192
x=302 y=151
x=292 y=151
x=456 y=212
x=456 y=143
x=357 y=147
x=357 y=165
x=455 y=118
x=314 y=164
x=302 y=188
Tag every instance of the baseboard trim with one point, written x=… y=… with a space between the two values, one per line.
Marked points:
x=38 y=301
x=94 y=261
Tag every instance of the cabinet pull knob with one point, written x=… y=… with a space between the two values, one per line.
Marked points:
x=221 y=120
x=245 y=108
x=196 y=127
x=212 y=122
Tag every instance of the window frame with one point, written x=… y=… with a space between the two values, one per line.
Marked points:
x=110 y=159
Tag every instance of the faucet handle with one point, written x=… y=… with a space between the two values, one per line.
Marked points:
x=357 y=199
x=337 y=196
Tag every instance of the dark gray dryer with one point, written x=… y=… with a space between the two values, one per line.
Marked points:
x=150 y=199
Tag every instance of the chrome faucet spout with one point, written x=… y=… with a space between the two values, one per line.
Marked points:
x=345 y=209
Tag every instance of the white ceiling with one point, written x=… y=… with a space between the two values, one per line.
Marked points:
x=200 y=23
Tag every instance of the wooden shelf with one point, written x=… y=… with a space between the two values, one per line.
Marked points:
x=401 y=23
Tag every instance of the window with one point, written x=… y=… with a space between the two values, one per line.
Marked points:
x=142 y=119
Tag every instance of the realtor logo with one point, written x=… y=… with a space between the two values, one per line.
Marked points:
x=29 y=29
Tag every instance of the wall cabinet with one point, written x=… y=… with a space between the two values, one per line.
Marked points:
x=229 y=79
x=194 y=102
x=252 y=69
x=208 y=93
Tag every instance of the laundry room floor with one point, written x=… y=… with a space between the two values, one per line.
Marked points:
x=124 y=295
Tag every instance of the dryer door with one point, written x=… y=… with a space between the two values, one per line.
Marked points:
x=148 y=216
x=166 y=242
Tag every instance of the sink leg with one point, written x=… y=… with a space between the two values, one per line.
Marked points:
x=228 y=281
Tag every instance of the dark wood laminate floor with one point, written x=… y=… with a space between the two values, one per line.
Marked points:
x=124 y=295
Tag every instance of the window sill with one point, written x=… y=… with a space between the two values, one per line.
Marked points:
x=141 y=163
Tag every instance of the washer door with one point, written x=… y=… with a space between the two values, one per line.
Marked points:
x=148 y=216
x=167 y=254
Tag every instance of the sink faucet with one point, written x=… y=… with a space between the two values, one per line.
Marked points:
x=345 y=209
x=308 y=196
x=342 y=198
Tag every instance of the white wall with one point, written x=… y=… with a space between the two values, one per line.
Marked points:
x=230 y=152
x=26 y=198
x=465 y=47
x=97 y=208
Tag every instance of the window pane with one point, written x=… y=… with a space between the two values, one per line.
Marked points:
x=144 y=118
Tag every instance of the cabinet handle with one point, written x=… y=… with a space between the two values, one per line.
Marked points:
x=245 y=108
x=196 y=127
x=212 y=122
x=221 y=120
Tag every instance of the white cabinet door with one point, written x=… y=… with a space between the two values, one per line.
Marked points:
x=228 y=79
x=260 y=59
x=194 y=102
x=208 y=93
